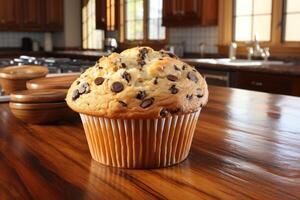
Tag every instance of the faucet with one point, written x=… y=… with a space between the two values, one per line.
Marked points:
x=257 y=50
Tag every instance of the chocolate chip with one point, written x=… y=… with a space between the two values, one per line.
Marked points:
x=87 y=89
x=189 y=97
x=173 y=89
x=183 y=67
x=171 y=55
x=117 y=87
x=143 y=53
x=100 y=67
x=123 y=103
x=77 y=82
x=171 y=77
x=141 y=95
x=199 y=95
x=176 y=68
x=75 y=95
x=141 y=63
x=164 y=112
x=126 y=76
x=155 y=80
x=192 y=77
x=123 y=65
x=99 y=80
x=147 y=102
x=160 y=59
x=81 y=89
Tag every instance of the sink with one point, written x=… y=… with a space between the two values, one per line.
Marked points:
x=237 y=62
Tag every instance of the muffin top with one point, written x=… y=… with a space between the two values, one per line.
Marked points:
x=138 y=83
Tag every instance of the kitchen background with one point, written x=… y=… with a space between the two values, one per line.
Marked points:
x=246 y=44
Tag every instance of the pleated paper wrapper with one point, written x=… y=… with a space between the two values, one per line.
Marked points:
x=140 y=143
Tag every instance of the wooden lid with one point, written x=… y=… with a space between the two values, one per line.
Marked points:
x=53 y=82
x=23 y=72
x=39 y=96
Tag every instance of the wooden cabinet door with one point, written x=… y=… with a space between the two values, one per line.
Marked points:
x=190 y=12
x=277 y=84
x=9 y=14
x=101 y=14
x=54 y=19
x=32 y=15
x=209 y=12
x=191 y=9
x=172 y=12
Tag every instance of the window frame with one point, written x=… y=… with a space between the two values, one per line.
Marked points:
x=145 y=41
x=277 y=44
x=252 y=18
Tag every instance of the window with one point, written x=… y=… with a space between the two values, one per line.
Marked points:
x=292 y=20
x=142 y=20
x=276 y=23
x=252 y=19
x=91 y=38
x=155 y=30
x=134 y=12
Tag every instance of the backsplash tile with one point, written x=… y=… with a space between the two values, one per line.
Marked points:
x=191 y=37
x=14 y=39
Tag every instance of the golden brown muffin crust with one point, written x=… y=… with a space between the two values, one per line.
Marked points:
x=138 y=83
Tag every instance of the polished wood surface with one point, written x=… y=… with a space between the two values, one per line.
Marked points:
x=39 y=95
x=41 y=113
x=246 y=146
x=52 y=82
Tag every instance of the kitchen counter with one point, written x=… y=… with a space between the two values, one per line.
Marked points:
x=76 y=54
x=246 y=146
x=284 y=69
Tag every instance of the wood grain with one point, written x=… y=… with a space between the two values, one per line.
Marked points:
x=246 y=146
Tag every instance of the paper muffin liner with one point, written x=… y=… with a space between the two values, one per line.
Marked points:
x=140 y=143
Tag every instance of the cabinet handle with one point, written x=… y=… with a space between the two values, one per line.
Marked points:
x=2 y=21
x=102 y=19
x=256 y=83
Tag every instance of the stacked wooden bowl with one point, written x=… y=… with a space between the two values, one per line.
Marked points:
x=15 y=77
x=44 y=101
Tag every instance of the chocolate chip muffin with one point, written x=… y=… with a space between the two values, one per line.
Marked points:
x=138 y=83
x=139 y=108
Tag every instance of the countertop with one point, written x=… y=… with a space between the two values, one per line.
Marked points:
x=284 y=69
x=246 y=146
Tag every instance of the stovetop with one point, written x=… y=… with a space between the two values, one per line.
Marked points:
x=55 y=66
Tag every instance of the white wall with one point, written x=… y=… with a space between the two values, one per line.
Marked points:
x=71 y=37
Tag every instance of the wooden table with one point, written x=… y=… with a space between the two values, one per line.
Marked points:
x=246 y=146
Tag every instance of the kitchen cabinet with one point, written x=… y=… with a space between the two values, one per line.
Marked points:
x=277 y=84
x=106 y=14
x=54 y=19
x=216 y=77
x=101 y=14
x=189 y=13
x=31 y=15
x=9 y=14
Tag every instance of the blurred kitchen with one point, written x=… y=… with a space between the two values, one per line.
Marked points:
x=249 y=44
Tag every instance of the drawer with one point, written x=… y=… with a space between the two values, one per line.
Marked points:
x=277 y=84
